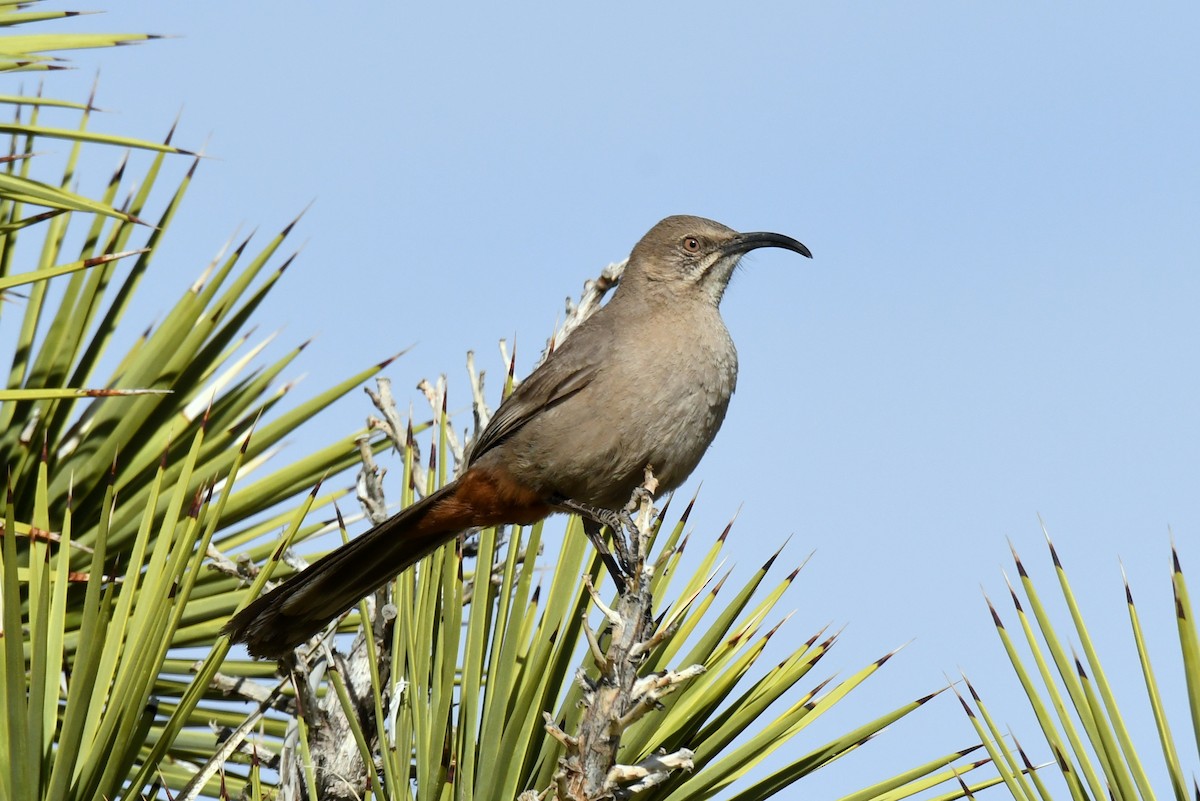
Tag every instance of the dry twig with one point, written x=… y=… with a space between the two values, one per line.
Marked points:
x=589 y=770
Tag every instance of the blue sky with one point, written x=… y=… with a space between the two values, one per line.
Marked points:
x=999 y=322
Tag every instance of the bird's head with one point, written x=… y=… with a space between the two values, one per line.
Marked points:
x=684 y=251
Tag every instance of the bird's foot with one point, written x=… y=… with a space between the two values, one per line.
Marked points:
x=594 y=518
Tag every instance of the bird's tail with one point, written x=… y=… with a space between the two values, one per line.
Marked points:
x=303 y=604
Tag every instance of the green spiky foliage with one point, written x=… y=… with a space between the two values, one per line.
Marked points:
x=481 y=658
x=124 y=471
x=1079 y=710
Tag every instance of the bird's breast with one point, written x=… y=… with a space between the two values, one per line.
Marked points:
x=695 y=384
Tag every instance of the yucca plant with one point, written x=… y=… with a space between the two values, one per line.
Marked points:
x=124 y=474
x=142 y=498
x=477 y=672
x=1076 y=705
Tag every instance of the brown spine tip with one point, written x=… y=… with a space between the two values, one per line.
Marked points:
x=881 y=661
x=687 y=511
x=767 y=565
x=720 y=582
x=662 y=513
x=809 y=642
x=865 y=739
x=1175 y=566
x=966 y=707
x=724 y=534
x=774 y=629
x=774 y=556
x=197 y=502
x=119 y=172
x=91 y=101
x=924 y=699
x=390 y=359
x=830 y=640
x=1054 y=554
x=1021 y=751
x=287 y=229
x=107 y=257
x=995 y=616
x=1012 y=592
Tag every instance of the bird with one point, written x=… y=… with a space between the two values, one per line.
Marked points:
x=644 y=381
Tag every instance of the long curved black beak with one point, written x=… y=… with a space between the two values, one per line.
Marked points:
x=744 y=243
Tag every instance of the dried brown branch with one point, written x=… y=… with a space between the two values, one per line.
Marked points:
x=594 y=290
x=589 y=770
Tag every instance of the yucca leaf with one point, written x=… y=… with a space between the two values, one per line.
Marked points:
x=44 y=394
x=1189 y=641
x=1170 y=754
x=1069 y=677
x=904 y=784
x=1108 y=715
x=72 y=135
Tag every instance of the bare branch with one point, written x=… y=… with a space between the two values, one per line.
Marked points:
x=594 y=290
x=589 y=770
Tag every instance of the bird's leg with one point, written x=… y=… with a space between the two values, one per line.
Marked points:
x=595 y=532
x=593 y=519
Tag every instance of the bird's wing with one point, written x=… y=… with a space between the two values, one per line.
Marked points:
x=546 y=387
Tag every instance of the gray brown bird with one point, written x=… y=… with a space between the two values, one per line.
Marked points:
x=644 y=381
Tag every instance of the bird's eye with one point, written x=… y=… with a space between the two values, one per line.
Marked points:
x=691 y=244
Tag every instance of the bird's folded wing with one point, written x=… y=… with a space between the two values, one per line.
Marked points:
x=543 y=390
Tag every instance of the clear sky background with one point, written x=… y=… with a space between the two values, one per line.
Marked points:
x=1000 y=321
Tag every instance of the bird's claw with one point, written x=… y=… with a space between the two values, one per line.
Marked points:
x=620 y=564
